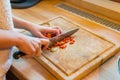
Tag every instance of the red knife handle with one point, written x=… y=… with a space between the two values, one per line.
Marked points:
x=18 y=54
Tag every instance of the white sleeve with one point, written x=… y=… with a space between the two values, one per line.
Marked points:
x=5 y=15
x=6 y=22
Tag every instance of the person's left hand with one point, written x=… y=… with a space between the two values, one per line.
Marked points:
x=38 y=30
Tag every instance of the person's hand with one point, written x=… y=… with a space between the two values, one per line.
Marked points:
x=29 y=45
x=38 y=30
x=32 y=46
x=35 y=29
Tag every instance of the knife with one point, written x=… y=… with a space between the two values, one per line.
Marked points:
x=53 y=40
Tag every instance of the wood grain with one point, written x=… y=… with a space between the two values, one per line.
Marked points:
x=29 y=69
x=73 y=60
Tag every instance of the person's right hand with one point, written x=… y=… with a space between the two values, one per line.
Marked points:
x=32 y=46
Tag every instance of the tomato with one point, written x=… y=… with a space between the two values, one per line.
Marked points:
x=61 y=44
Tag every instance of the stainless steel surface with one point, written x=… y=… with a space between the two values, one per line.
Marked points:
x=62 y=36
x=89 y=16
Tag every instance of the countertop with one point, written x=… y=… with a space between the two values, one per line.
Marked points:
x=30 y=69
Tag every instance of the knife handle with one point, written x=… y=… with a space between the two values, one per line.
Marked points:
x=18 y=54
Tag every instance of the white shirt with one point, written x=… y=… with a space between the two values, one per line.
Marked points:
x=6 y=22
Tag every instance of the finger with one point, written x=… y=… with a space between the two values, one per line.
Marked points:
x=45 y=43
x=52 y=30
x=38 y=50
x=31 y=50
x=40 y=35
x=38 y=53
x=36 y=47
x=57 y=27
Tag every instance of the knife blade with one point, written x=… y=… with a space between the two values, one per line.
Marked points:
x=62 y=36
x=53 y=40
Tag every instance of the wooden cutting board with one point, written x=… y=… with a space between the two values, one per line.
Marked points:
x=75 y=61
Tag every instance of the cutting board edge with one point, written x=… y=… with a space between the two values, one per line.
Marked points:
x=81 y=72
x=61 y=76
x=113 y=51
x=50 y=67
x=101 y=59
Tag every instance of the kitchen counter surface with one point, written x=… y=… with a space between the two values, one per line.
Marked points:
x=30 y=69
